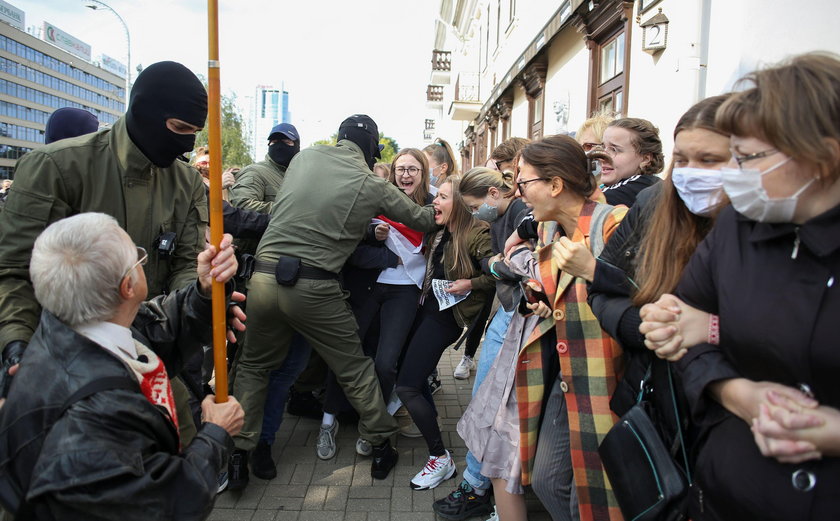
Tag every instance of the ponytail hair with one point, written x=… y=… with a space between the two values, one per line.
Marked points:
x=442 y=153
x=479 y=180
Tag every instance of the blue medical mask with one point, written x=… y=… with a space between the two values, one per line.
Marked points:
x=433 y=179
x=486 y=213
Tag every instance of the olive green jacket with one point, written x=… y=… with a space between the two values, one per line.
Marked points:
x=325 y=206
x=483 y=286
x=102 y=172
x=257 y=186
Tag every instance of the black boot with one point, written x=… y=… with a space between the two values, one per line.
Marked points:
x=384 y=459
x=238 y=470
x=261 y=463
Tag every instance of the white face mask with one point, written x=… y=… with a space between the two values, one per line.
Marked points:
x=748 y=196
x=700 y=189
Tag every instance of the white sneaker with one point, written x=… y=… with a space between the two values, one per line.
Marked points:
x=494 y=516
x=325 y=446
x=363 y=447
x=437 y=470
x=462 y=370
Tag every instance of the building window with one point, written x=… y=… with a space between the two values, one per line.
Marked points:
x=480 y=154
x=535 y=116
x=532 y=80
x=606 y=30
x=610 y=89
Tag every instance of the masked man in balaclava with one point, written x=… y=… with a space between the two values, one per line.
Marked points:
x=323 y=210
x=257 y=184
x=130 y=172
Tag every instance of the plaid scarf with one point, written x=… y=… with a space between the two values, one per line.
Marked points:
x=590 y=362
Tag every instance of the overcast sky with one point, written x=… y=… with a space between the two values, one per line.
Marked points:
x=336 y=57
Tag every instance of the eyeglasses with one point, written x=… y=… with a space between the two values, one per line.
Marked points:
x=758 y=155
x=587 y=147
x=521 y=184
x=142 y=259
x=412 y=170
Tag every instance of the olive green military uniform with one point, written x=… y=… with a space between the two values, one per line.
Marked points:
x=102 y=172
x=322 y=212
x=257 y=186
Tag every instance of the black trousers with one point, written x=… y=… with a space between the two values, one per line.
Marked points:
x=432 y=333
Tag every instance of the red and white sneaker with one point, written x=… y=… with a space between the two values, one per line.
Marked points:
x=437 y=470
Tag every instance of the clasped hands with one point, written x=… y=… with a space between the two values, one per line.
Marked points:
x=787 y=424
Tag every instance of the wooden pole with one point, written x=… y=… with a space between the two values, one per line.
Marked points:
x=214 y=131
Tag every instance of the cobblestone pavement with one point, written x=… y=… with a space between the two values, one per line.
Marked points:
x=308 y=489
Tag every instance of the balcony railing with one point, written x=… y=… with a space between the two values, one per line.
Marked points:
x=441 y=60
x=466 y=87
x=434 y=93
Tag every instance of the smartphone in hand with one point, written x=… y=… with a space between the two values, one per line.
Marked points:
x=533 y=296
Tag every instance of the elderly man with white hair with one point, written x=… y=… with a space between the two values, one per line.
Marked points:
x=89 y=430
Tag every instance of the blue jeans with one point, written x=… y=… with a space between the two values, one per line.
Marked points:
x=279 y=382
x=493 y=339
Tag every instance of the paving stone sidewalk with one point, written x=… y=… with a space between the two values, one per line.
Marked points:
x=309 y=489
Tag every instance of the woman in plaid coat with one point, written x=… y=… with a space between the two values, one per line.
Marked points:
x=568 y=367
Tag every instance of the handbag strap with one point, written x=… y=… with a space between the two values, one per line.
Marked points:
x=679 y=424
x=643 y=389
x=643 y=384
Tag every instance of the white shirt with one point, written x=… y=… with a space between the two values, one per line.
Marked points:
x=113 y=337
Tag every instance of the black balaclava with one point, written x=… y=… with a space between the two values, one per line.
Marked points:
x=165 y=90
x=69 y=122
x=281 y=153
x=362 y=130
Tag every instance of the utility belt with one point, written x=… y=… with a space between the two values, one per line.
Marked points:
x=287 y=270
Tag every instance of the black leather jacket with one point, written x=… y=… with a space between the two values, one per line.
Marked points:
x=112 y=455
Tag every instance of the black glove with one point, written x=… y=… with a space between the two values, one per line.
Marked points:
x=11 y=355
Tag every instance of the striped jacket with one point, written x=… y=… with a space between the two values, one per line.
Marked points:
x=590 y=362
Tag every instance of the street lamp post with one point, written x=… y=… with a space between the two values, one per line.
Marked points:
x=96 y=5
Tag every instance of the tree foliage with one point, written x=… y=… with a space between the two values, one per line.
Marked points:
x=235 y=149
x=390 y=150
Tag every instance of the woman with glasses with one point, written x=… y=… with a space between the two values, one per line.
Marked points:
x=647 y=254
x=453 y=257
x=635 y=153
x=755 y=324
x=590 y=135
x=567 y=367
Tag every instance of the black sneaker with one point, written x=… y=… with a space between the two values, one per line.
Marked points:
x=238 y=470
x=463 y=503
x=384 y=459
x=434 y=383
x=262 y=465
x=304 y=405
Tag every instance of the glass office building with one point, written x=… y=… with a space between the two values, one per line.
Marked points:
x=272 y=108
x=35 y=79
